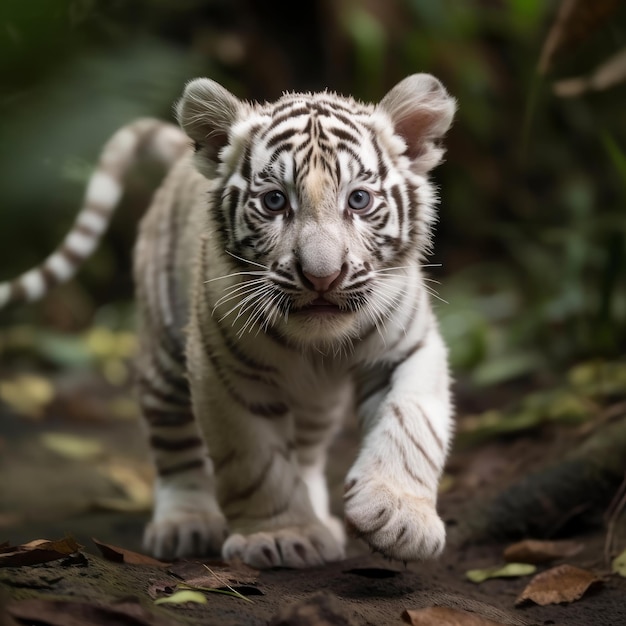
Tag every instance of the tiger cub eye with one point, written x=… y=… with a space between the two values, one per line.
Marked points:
x=359 y=200
x=274 y=201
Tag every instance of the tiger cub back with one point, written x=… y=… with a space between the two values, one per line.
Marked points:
x=279 y=287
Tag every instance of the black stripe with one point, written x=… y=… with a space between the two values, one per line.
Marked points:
x=175 y=445
x=167 y=418
x=171 y=396
x=181 y=467
x=281 y=137
x=400 y=417
x=233 y=195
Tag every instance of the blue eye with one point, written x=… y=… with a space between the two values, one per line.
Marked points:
x=359 y=200
x=275 y=201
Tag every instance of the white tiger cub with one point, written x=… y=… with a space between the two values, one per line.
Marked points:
x=280 y=287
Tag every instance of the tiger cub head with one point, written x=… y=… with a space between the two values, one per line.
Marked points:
x=329 y=195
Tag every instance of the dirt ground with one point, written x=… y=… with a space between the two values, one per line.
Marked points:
x=47 y=492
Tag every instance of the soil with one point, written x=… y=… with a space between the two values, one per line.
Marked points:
x=48 y=495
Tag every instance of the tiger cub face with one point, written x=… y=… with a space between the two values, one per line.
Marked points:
x=325 y=196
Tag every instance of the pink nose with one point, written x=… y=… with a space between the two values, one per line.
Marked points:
x=322 y=283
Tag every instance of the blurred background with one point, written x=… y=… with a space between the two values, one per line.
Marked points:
x=530 y=241
x=532 y=222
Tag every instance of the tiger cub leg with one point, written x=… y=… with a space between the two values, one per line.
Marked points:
x=259 y=487
x=316 y=428
x=391 y=490
x=186 y=519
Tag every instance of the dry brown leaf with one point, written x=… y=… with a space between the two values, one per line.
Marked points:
x=67 y=613
x=37 y=551
x=122 y=555
x=444 y=616
x=575 y=21
x=564 y=583
x=538 y=551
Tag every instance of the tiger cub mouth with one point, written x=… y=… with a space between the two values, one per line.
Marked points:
x=321 y=306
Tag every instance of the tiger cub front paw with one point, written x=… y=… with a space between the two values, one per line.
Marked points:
x=399 y=525
x=185 y=531
x=294 y=546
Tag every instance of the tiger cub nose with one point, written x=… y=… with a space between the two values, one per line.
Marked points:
x=321 y=283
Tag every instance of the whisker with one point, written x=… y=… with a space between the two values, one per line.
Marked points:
x=246 y=260
x=238 y=291
x=250 y=273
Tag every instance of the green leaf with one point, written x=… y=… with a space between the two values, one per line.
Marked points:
x=510 y=570
x=619 y=564
x=181 y=597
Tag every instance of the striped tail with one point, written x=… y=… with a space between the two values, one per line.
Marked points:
x=154 y=139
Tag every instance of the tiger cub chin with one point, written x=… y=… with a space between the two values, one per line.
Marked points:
x=279 y=287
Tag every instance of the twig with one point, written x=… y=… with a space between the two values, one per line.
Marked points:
x=612 y=515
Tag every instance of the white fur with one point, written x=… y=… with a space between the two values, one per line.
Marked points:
x=103 y=190
x=60 y=266
x=33 y=284
x=95 y=222
x=81 y=244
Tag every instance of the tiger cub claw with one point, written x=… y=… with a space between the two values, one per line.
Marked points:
x=185 y=534
x=295 y=546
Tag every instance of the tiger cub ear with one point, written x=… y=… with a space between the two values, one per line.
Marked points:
x=206 y=112
x=421 y=111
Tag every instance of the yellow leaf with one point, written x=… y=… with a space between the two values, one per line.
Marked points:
x=115 y=371
x=72 y=446
x=134 y=480
x=181 y=597
x=27 y=394
x=619 y=564
x=510 y=570
x=100 y=341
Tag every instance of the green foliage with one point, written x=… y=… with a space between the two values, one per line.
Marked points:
x=531 y=233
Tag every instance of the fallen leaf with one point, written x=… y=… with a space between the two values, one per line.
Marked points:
x=27 y=394
x=67 y=613
x=122 y=555
x=37 y=551
x=134 y=480
x=618 y=566
x=538 y=551
x=72 y=446
x=444 y=616
x=182 y=597
x=510 y=570
x=564 y=583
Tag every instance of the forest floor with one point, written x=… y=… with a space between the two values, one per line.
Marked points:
x=73 y=469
